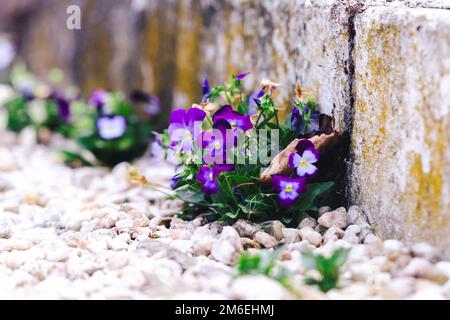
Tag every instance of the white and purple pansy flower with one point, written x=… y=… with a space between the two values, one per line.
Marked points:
x=111 y=127
x=184 y=127
x=304 y=158
x=289 y=189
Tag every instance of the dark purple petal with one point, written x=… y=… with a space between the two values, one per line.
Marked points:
x=63 y=108
x=304 y=144
x=235 y=119
x=206 y=89
x=174 y=181
x=223 y=113
x=224 y=167
x=178 y=116
x=195 y=115
x=98 y=98
x=210 y=187
x=111 y=126
x=241 y=76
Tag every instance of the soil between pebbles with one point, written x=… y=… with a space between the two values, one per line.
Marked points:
x=89 y=233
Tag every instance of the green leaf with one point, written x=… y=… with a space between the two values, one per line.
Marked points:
x=306 y=202
x=188 y=194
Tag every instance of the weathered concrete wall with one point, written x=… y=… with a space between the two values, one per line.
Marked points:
x=380 y=67
x=401 y=134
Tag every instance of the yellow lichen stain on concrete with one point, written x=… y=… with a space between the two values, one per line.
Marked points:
x=424 y=189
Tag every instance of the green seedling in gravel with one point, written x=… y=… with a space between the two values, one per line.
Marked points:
x=263 y=263
x=328 y=267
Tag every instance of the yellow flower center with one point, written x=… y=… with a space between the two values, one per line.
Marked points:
x=217 y=145
x=233 y=125
x=303 y=163
x=188 y=135
x=211 y=177
x=288 y=188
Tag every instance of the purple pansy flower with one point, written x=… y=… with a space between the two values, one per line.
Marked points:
x=111 y=126
x=98 y=98
x=241 y=76
x=236 y=120
x=299 y=125
x=289 y=189
x=304 y=158
x=207 y=175
x=62 y=104
x=184 y=126
x=214 y=143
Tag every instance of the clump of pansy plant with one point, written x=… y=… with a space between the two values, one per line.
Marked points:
x=44 y=105
x=217 y=146
x=114 y=129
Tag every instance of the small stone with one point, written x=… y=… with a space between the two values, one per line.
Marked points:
x=443 y=267
x=323 y=210
x=274 y=228
x=124 y=224
x=397 y=288
x=7 y=161
x=55 y=250
x=336 y=218
x=308 y=221
x=265 y=239
x=361 y=271
x=355 y=215
x=417 y=267
x=290 y=235
x=371 y=238
x=393 y=246
x=333 y=234
x=313 y=237
x=320 y=229
x=258 y=287
x=245 y=228
x=300 y=246
x=351 y=234
x=248 y=243
x=202 y=241
x=228 y=247
x=5 y=229
x=426 y=251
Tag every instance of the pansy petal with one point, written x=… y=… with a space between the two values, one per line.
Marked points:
x=223 y=113
x=294 y=160
x=195 y=115
x=310 y=155
x=241 y=76
x=206 y=89
x=178 y=116
x=276 y=182
x=301 y=171
x=210 y=187
x=310 y=170
x=304 y=144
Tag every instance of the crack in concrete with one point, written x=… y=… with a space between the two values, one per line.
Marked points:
x=352 y=11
